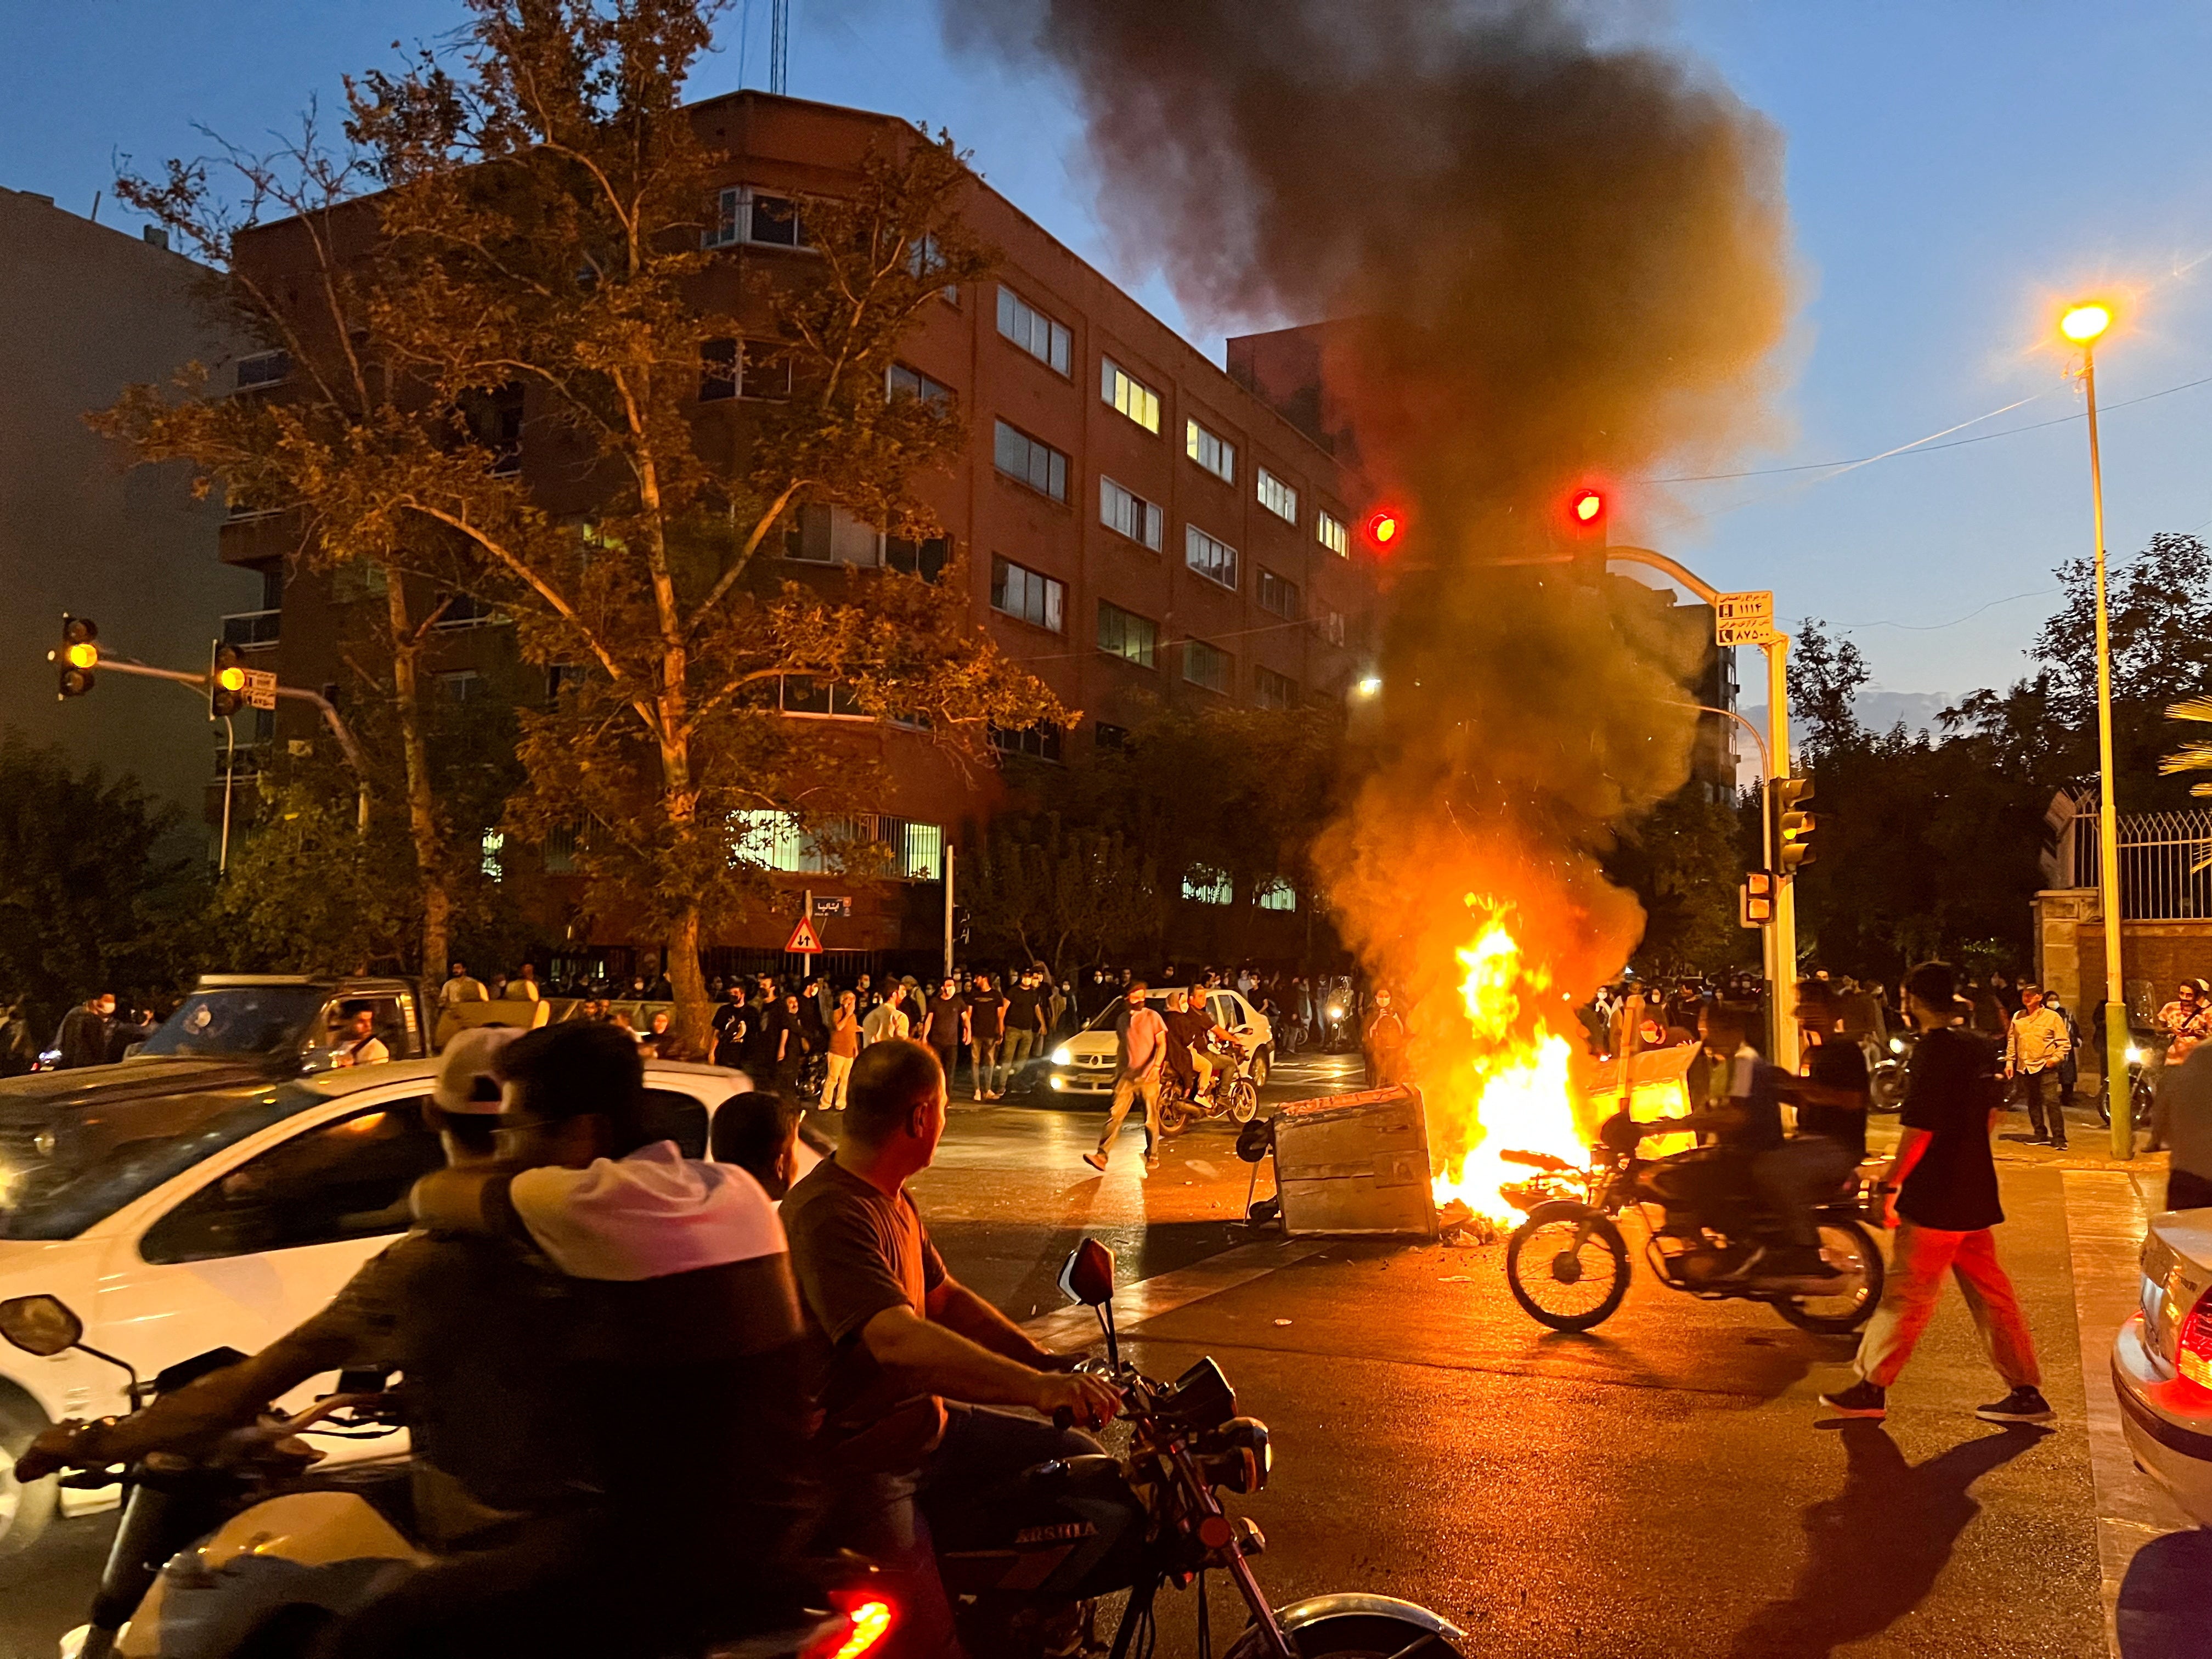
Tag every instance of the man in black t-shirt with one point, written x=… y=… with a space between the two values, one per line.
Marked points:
x=1944 y=1207
x=1026 y=1021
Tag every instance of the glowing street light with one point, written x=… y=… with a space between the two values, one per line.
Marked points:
x=2084 y=325
x=1369 y=685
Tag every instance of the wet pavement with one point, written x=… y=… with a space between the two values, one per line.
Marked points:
x=1663 y=1485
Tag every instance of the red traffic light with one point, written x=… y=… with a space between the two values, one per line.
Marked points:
x=1384 y=526
x=1586 y=507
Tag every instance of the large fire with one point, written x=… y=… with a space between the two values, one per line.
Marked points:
x=1510 y=1084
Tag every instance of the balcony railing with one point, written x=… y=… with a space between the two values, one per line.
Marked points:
x=246 y=629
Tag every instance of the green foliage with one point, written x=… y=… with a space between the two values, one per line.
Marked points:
x=1684 y=859
x=1067 y=896
x=95 y=898
x=306 y=893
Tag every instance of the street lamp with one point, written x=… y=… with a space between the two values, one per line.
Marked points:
x=2084 y=325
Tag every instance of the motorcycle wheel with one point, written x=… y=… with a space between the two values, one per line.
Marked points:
x=1244 y=1101
x=1174 y=1115
x=1850 y=1248
x=1355 y=1636
x=1558 y=1285
x=1888 y=1088
x=24 y=1511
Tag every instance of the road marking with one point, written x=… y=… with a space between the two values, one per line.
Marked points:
x=1164 y=1293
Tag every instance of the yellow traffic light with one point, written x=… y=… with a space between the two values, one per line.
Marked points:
x=78 y=655
x=226 y=683
x=231 y=679
x=1793 y=825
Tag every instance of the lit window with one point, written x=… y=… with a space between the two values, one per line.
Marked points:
x=1332 y=534
x=1031 y=460
x=1207 y=667
x=1203 y=886
x=1128 y=394
x=1128 y=513
x=1278 y=497
x=1277 y=594
x=490 y=850
x=1273 y=691
x=1126 y=634
x=1332 y=627
x=1211 y=451
x=1211 y=558
x=1033 y=331
x=1277 y=895
x=1026 y=594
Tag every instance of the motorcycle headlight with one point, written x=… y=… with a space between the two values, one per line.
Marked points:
x=1238 y=1455
x=1897 y=1045
x=1061 y=1057
x=1335 y=1011
x=2135 y=1056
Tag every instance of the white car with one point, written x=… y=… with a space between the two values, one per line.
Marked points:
x=1085 y=1063
x=221 y=1221
x=2162 y=1361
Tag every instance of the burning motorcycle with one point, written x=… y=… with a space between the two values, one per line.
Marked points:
x=1567 y=1264
x=1082 y=1528
x=236 y=1548
x=1234 y=1093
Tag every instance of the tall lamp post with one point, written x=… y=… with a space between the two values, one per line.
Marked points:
x=2084 y=325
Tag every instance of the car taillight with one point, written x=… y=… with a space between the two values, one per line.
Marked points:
x=868 y=1620
x=2193 y=1350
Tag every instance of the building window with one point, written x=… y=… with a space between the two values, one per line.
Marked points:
x=1127 y=635
x=491 y=854
x=1332 y=535
x=775 y=841
x=1047 y=341
x=1278 y=497
x=803 y=694
x=1277 y=594
x=561 y=675
x=1332 y=627
x=900 y=381
x=1276 y=895
x=924 y=559
x=1032 y=461
x=466 y=685
x=1203 y=886
x=718 y=370
x=1206 y=665
x=1211 y=451
x=1273 y=691
x=1026 y=594
x=1037 y=742
x=465 y=611
x=263 y=369
x=1107 y=735
x=743 y=368
x=1128 y=394
x=559 y=850
x=1213 y=559
x=818 y=534
x=924 y=259
x=746 y=215
x=1130 y=513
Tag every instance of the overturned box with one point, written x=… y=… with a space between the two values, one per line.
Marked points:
x=1355 y=1163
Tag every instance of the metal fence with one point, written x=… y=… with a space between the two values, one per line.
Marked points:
x=2166 y=864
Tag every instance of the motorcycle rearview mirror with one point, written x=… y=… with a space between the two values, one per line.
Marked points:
x=40 y=1325
x=1088 y=1277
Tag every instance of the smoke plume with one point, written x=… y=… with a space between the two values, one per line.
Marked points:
x=1552 y=261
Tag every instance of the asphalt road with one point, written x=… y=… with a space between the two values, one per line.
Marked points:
x=1664 y=1486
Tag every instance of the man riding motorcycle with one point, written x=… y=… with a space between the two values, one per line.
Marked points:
x=1197 y=1038
x=628 y=1280
x=907 y=1360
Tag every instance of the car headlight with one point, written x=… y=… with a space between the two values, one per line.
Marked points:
x=1897 y=1045
x=2135 y=1056
x=1061 y=1057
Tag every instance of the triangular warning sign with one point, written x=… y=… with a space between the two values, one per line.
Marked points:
x=803 y=941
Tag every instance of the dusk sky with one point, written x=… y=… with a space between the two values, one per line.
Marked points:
x=1954 y=171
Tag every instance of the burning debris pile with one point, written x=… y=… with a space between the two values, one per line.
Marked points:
x=1555 y=257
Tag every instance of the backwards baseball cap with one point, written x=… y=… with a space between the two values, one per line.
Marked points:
x=465 y=1085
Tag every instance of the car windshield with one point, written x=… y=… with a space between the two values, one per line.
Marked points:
x=240 y=1022
x=58 y=1178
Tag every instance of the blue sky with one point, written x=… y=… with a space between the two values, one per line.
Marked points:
x=1954 y=171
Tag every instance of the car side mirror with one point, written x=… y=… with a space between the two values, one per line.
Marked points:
x=40 y=1325
x=1088 y=1277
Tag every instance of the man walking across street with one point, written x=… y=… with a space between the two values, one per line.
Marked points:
x=1142 y=1037
x=1944 y=1204
x=2037 y=1042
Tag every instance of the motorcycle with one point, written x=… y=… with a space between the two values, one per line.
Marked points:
x=235 y=1549
x=2145 y=1059
x=1567 y=1264
x=1081 y=1528
x=1234 y=1094
x=1889 y=1068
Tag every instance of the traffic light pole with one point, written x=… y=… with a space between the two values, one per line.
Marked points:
x=297 y=693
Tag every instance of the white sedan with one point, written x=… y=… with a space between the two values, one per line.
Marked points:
x=1084 y=1064
x=228 y=1234
x=2162 y=1361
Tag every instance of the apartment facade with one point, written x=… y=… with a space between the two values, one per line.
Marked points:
x=1132 y=525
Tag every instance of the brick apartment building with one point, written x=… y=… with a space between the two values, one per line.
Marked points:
x=1133 y=523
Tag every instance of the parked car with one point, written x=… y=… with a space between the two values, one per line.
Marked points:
x=2162 y=1361
x=1084 y=1063
x=203 y=1217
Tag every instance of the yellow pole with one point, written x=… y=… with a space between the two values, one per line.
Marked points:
x=2108 y=821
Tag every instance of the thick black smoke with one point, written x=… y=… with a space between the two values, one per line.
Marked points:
x=1558 y=262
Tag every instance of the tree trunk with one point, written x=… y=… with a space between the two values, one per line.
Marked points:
x=694 y=1018
x=422 y=805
